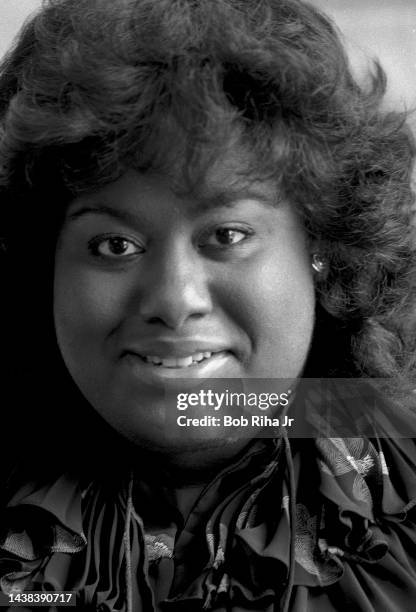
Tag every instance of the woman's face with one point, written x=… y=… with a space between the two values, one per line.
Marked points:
x=155 y=288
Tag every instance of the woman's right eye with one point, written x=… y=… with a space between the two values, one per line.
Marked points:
x=114 y=247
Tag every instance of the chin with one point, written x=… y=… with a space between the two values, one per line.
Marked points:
x=193 y=454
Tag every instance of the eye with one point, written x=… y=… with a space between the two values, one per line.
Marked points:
x=226 y=237
x=114 y=247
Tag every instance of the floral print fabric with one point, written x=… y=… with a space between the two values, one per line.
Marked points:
x=354 y=535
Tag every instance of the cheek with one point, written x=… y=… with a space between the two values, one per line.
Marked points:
x=87 y=306
x=287 y=293
x=270 y=289
x=273 y=300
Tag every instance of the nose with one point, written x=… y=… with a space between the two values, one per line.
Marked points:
x=176 y=289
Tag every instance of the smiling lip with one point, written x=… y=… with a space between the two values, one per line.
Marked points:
x=175 y=348
x=148 y=372
x=158 y=361
x=178 y=362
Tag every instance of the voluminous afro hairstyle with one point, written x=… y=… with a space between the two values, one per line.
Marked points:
x=93 y=87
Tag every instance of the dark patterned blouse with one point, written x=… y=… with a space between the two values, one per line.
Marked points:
x=312 y=526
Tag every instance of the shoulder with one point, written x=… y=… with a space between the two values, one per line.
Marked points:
x=356 y=538
x=54 y=536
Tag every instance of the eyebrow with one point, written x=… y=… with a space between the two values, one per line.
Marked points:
x=214 y=201
x=231 y=197
x=106 y=210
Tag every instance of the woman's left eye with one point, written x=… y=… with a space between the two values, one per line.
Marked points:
x=115 y=247
x=226 y=236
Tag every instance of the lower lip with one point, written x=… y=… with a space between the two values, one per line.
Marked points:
x=213 y=367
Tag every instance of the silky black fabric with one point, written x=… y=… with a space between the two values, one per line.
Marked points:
x=355 y=535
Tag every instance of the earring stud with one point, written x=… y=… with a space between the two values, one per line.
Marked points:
x=318 y=264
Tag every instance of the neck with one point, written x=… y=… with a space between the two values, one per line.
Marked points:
x=181 y=468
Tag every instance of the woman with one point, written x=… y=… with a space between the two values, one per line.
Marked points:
x=195 y=191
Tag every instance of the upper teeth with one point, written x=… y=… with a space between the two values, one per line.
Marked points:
x=180 y=362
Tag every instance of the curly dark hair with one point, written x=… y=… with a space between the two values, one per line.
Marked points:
x=94 y=87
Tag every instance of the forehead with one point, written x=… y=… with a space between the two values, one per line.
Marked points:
x=215 y=177
x=202 y=176
x=220 y=181
x=142 y=191
x=203 y=167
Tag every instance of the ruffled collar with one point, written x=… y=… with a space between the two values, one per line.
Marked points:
x=240 y=529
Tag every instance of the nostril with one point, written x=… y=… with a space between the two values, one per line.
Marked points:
x=172 y=318
x=170 y=301
x=155 y=320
